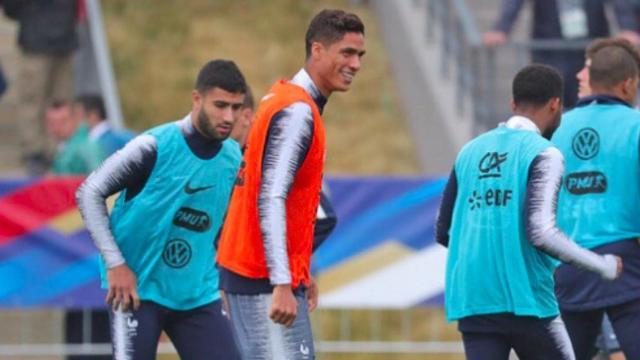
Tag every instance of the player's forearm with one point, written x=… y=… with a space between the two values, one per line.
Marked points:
x=272 y=211
x=545 y=179
x=91 y=201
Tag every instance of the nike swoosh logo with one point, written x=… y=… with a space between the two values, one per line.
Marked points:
x=189 y=190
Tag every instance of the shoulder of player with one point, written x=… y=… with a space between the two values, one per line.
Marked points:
x=550 y=157
x=296 y=112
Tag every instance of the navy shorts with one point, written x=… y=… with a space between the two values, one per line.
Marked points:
x=492 y=337
x=584 y=327
x=203 y=333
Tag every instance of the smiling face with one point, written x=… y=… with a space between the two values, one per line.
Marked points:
x=336 y=64
x=215 y=112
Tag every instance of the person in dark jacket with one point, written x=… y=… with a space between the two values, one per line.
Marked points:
x=569 y=20
x=47 y=39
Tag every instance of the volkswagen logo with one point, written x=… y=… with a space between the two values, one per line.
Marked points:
x=586 y=143
x=177 y=253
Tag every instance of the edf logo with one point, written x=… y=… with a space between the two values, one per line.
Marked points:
x=490 y=198
x=586 y=143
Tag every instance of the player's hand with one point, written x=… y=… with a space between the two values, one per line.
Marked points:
x=494 y=38
x=620 y=266
x=614 y=267
x=312 y=295
x=122 y=294
x=284 y=306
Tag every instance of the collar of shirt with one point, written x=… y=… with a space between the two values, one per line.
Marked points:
x=198 y=142
x=99 y=130
x=303 y=79
x=521 y=123
x=186 y=125
x=602 y=100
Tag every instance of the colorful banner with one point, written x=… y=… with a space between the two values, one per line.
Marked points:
x=382 y=253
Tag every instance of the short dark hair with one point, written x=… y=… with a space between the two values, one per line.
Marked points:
x=329 y=26
x=223 y=74
x=57 y=103
x=248 y=103
x=92 y=103
x=536 y=84
x=613 y=63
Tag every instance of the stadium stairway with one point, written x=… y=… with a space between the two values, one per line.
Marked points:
x=439 y=129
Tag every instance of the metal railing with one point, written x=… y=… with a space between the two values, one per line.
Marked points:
x=336 y=331
x=481 y=74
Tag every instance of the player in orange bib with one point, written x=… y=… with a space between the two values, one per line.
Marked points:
x=265 y=247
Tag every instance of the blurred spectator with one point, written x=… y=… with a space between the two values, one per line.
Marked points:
x=47 y=39
x=90 y=109
x=567 y=20
x=241 y=128
x=76 y=154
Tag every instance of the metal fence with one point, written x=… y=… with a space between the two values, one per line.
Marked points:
x=481 y=74
x=359 y=332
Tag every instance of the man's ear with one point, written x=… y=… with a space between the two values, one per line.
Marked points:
x=555 y=104
x=513 y=106
x=316 y=49
x=196 y=98
x=630 y=85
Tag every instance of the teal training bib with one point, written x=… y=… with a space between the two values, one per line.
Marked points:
x=599 y=201
x=491 y=266
x=166 y=233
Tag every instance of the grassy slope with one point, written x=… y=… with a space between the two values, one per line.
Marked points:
x=159 y=45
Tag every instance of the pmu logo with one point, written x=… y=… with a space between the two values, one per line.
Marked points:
x=177 y=253
x=590 y=182
x=586 y=143
x=194 y=220
x=489 y=165
x=490 y=198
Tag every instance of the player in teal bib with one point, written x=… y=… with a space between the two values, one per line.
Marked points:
x=498 y=220
x=157 y=247
x=166 y=232
x=513 y=276
x=600 y=198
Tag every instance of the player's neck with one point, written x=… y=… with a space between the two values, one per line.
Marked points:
x=533 y=115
